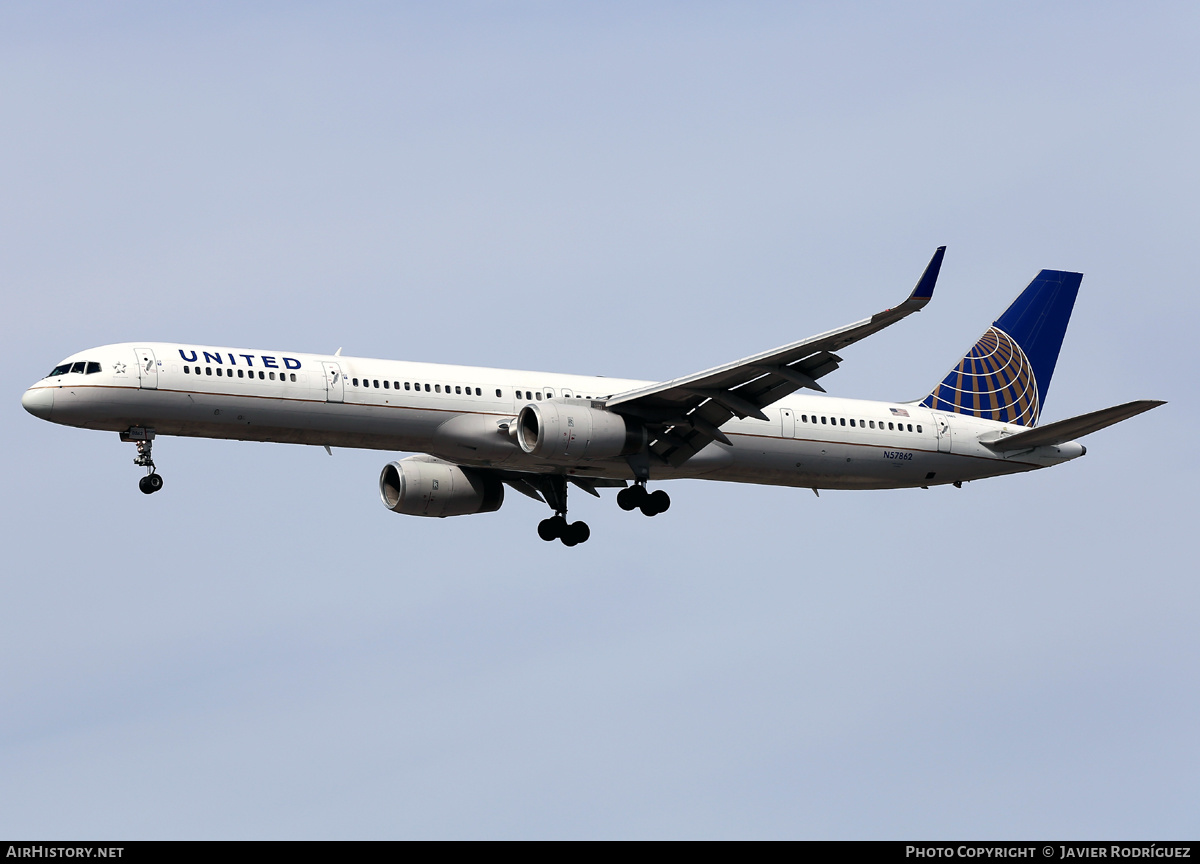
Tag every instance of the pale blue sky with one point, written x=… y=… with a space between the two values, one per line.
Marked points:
x=640 y=190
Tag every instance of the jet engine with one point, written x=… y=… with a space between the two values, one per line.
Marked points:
x=420 y=486
x=568 y=430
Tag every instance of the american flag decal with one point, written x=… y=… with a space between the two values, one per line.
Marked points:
x=900 y=412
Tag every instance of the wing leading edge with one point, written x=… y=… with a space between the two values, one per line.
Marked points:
x=685 y=415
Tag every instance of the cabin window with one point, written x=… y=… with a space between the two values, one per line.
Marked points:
x=207 y=370
x=478 y=392
x=458 y=391
x=376 y=382
x=843 y=421
x=261 y=375
x=185 y=370
x=386 y=385
x=538 y=396
x=918 y=427
x=218 y=371
x=822 y=421
x=437 y=388
x=890 y=426
x=872 y=424
x=851 y=421
x=272 y=376
x=292 y=376
x=426 y=388
x=497 y=394
x=803 y=418
x=909 y=427
x=355 y=381
x=406 y=386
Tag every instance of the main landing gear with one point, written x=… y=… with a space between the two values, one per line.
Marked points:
x=144 y=439
x=554 y=490
x=636 y=497
x=558 y=528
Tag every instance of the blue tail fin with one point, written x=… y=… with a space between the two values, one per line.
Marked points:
x=1006 y=374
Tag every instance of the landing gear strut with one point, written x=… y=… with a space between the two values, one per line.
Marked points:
x=144 y=439
x=636 y=497
x=554 y=490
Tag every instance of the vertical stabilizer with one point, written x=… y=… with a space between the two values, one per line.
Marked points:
x=1006 y=375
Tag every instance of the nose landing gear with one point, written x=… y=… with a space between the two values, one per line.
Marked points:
x=636 y=497
x=144 y=439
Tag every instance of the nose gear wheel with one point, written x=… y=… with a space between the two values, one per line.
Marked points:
x=144 y=439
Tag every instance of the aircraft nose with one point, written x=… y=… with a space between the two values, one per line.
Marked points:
x=38 y=401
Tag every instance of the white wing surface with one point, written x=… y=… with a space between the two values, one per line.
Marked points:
x=685 y=414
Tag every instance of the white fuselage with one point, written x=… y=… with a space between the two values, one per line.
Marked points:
x=808 y=441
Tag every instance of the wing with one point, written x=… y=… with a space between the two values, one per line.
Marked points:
x=685 y=415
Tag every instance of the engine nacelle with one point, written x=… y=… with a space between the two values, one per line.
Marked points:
x=567 y=430
x=417 y=486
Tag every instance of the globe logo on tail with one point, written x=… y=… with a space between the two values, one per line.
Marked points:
x=994 y=381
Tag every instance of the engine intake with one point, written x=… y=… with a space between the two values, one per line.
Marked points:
x=567 y=430
x=418 y=486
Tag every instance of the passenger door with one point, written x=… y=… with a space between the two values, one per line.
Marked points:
x=334 y=385
x=789 y=422
x=945 y=435
x=147 y=368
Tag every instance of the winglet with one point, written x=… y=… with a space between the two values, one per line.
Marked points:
x=924 y=290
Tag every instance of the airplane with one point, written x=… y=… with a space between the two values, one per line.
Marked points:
x=477 y=431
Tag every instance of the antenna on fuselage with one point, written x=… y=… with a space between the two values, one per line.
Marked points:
x=337 y=353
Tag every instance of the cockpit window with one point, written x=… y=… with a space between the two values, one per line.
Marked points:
x=82 y=367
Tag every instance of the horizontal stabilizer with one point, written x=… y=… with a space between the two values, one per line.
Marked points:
x=1072 y=428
